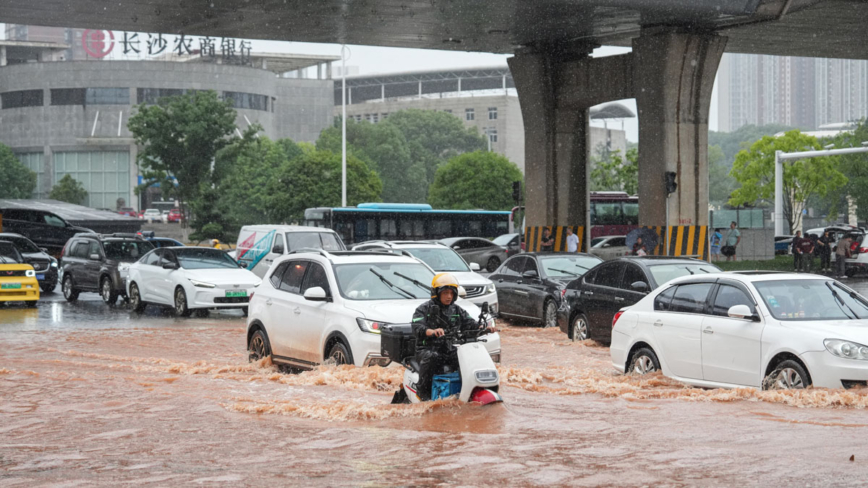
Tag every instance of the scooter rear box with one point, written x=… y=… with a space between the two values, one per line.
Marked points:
x=397 y=342
x=446 y=385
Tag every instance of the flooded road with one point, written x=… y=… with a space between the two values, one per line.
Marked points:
x=91 y=395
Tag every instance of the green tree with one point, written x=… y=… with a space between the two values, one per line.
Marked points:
x=474 y=180
x=855 y=168
x=385 y=150
x=70 y=190
x=314 y=180
x=16 y=180
x=754 y=169
x=614 y=173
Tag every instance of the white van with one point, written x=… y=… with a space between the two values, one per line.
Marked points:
x=259 y=245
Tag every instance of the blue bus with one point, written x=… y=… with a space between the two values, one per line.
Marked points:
x=406 y=221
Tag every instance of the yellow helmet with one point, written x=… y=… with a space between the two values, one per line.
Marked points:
x=441 y=281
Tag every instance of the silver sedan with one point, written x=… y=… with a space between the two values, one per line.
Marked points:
x=483 y=252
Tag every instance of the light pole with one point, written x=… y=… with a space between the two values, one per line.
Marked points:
x=781 y=156
x=344 y=126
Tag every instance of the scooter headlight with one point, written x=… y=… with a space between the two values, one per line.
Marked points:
x=486 y=376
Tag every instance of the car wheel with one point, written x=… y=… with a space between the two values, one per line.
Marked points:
x=136 y=299
x=789 y=375
x=339 y=354
x=48 y=288
x=69 y=291
x=850 y=273
x=550 y=314
x=109 y=296
x=644 y=362
x=258 y=347
x=181 y=308
x=579 y=330
x=492 y=265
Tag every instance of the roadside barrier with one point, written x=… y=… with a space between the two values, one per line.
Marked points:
x=689 y=241
x=684 y=240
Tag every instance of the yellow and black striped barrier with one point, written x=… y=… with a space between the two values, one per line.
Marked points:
x=688 y=240
x=533 y=237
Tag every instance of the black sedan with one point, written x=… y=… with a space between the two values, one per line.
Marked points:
x=44 y=265
x=530 y=286
x=591 y=302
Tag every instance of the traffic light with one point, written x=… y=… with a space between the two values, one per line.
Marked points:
x=671 y=185
x=516 y=191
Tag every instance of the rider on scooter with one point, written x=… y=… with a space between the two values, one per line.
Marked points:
x=431 y=321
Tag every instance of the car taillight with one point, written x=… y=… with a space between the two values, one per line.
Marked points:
x=563 y=292
x=63 y=251
x=617 y=316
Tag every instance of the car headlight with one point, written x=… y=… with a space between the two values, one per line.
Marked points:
x=53 y=263
x=491 y=289
x=29 y=273
x=372 y=326
x=202 y=284
x=846 y=349
x=486 y=376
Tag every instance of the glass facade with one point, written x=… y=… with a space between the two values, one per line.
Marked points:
x=107 y=96
x=35 y=161
x=150 y=96
x=21 y=98
x=104 y=174
x=250 y=101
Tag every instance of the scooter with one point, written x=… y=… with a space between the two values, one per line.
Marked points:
x=480 y=380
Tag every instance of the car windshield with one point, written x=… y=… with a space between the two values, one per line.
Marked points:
x=23 y=245
x=440 y=259
x=819 y=299
x=204 y=258
x=152 y=211
x=127 y=251
x=597 y=241
x=383 y=281
x=504 y=240
x=568 y=266
x=665 y=272
x=9 y=254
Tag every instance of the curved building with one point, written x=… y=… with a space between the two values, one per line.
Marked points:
x=71 y=117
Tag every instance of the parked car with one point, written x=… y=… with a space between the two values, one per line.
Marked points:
x=259 y=245
x=592 y=301
x=164 y=215
x=769 y=331
x=174 y=215
x=783 y=245
x=17 y=278
x=530 y=286
x=315 y=306
x=128 y=211
x=43 y=264
x=98 y=263
x=152 y=215
x=45 y=229
x=483 y=252
x=189 y=278
x=511 y=242
x=609 y=247
x=443 y=259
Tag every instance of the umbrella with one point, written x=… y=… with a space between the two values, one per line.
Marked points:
x=649 y=238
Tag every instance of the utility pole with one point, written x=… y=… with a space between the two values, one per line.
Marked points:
x=343 y=126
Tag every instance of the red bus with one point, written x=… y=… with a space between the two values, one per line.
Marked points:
x=613 y=213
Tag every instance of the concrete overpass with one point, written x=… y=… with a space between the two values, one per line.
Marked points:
x=676 y=44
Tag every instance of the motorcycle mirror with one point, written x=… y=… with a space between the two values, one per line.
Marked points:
x=485 y=307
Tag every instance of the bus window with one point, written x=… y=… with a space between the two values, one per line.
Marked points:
x=440 y=229
x=388 y=229
x=366 y=230
x=411 y=229
x=607 y=213
x=345 y=230
x=631 y=213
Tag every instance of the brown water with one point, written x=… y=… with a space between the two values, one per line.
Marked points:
x=179 y=403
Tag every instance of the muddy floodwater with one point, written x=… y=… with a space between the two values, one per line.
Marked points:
x=97 y=396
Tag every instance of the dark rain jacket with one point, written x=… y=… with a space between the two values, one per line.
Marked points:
x=434 y=315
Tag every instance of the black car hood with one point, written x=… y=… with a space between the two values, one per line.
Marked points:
x=36 y=256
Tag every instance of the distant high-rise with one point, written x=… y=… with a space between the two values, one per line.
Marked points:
x=60 y=35
x=800 y=92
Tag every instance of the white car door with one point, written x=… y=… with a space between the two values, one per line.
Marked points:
x=676 y=325
x=311 y=319
x=161 y=284
x=731 y=348
x=274 y=313
x=286 y=327
x=141 y=271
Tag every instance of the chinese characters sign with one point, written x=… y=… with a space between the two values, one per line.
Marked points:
x=100 y=43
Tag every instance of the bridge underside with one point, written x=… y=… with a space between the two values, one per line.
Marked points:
x=825 y=28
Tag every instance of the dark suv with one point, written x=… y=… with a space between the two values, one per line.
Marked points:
x=44 y=265
x=43 y=228
x=98 y=263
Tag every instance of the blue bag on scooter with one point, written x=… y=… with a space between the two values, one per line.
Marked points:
x=446 y=385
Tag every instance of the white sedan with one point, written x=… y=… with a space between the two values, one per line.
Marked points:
x=189 y=278
x=761 y=330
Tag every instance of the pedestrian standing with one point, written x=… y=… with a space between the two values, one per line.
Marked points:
x=805 y=247
x=547 y=243
x=572 y=241
x=716 y=241
x=842 y=252
x=797 y=251
x=733 y=238
x=825 y=246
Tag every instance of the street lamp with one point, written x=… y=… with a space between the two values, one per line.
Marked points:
x=344 y=124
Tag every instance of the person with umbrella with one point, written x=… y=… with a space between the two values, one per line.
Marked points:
x=639 y=248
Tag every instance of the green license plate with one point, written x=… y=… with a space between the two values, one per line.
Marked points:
x=17 y=286
x=233 y=294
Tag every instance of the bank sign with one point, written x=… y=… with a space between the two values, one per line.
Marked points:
x=101 y=43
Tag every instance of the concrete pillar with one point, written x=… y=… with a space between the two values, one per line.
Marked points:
x=673 y=75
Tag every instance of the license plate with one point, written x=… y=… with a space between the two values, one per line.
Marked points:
x=11 y=286
x=40 y=276
x=234 y=294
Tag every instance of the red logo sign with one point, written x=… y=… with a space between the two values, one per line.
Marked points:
x=97 y=43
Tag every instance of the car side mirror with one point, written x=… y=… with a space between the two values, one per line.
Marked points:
x=462 y=293
x=315 y=294
x=639 y=286
x=44 y=249
x=170 y=266
x=243 y=264
x=94 y=257
x=742 y=312
x=530 y=274
x=277 y=249
x=456 y=247
x=474 y=267
x=607 y=245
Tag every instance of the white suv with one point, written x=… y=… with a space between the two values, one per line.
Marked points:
x=319 y=305
x=442 y=259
